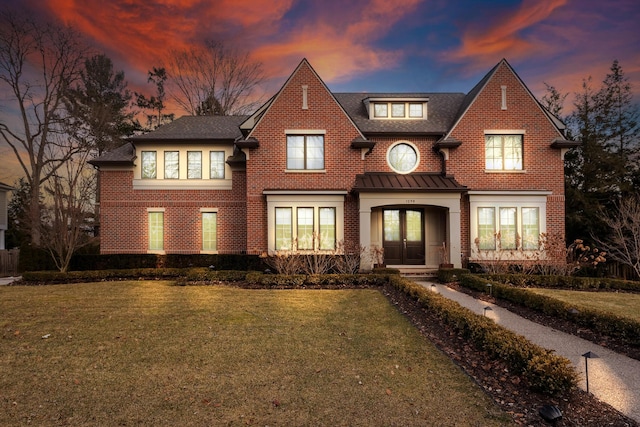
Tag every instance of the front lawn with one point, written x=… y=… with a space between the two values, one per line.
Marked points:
x=148 y=353
x=618 y=303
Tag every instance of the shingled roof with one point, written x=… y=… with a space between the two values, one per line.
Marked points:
x=195 y=128
x=385 y=181
x=121 y=156
x=442 y=110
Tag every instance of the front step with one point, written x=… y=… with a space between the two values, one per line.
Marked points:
x=416 y=272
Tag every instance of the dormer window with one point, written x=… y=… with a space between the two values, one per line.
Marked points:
x=397 y=108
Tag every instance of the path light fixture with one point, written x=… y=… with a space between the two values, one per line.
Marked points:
x=490 y=286
x=588 y=355
x=550 y=413
x=433 y=288
x=487 y=308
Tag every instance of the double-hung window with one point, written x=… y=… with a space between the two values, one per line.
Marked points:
x=149 y=165
x=503 y=152
x=284 y=225
x=512 y=227
x=327 y=229
x=305 y=152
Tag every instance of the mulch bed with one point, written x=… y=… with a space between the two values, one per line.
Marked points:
x=507 y=390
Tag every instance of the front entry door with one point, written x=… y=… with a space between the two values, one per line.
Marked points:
x=403 y=236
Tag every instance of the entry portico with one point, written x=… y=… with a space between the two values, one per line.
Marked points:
x=411 y=217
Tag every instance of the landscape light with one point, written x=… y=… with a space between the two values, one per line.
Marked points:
x=490 y=286
x=487 y=308
x=550 y=413
x=588 y=355
x=433 y=287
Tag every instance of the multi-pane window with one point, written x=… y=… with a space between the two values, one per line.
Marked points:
x=415 y=110
x=149 y=165
x=397 y=110
x=284 y=226
x=209 y=231
x=171 y=164
x=327 y=228
x=503 y=152
x=508 y=229
x=380 y=110
x=530 y=228
x=403 y=158
x=156 y=231
x=516 y=228
x=305 y=152
x=486 y=228
x=216 y=164
x=194 y=164
x=305 y=228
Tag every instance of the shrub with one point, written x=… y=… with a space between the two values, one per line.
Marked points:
x=447 y=275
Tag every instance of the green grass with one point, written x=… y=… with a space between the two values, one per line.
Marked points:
x=620 y=303
x=147 y=353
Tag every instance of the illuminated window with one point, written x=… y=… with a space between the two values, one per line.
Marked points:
x=327 y=228
x=397 y=110
x=503 y=152
x=380 y=110
x=149 y=165
x=171 y=164
x=209 y=231
x=216 y=163
x=486 y=228
x=305 y=228
x=530 y=228
x=194 y=164
x=283 y=229
x=508 y=228
x=415 y=110
x=403 y=158
x=156 y=231
x=305 y=152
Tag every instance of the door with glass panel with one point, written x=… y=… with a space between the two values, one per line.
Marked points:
x=403 y=236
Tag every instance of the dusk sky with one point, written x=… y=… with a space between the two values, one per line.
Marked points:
x=367 y=45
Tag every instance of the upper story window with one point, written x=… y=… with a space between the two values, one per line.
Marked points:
x=397 y=109
x=403 y=157
x=216 y=163
x=503 y=152
x=149 y=165
x=194 y=164
x=305 y=152
x=171 y=165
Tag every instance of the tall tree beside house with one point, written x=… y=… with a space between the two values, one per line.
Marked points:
x=214 y=79
x=603 y=168
x=18 y=215
x=99 y=106
x=38 y=63
x=155 y=103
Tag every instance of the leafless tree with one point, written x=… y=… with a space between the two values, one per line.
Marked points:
x=66 y=224
x=38 y=62
x=214 y=79
x=622 y=242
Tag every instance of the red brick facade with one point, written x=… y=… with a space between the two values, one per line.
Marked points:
x=499 y=103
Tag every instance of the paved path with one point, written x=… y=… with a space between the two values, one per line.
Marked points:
x=7 y=280
x=613 y=378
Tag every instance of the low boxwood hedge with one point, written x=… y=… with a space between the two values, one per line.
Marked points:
x=543 y=370
x=603 y=322
x=565 y=282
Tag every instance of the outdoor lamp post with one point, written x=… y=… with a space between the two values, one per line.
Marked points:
x=490 y=286
x=588 y=355
x=487 y=308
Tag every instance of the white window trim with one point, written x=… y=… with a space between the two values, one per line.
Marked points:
x=505 y=199
x=304 y=200
x=370 y=103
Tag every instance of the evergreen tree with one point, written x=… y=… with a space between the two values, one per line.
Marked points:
x=98 y=106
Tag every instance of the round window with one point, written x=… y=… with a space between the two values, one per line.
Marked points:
x=403 y=158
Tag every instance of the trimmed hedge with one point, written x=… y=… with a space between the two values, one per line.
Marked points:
x=447 y=275
x=565 y=282
x=283 y=281
x=603 y=322
x=542 y=370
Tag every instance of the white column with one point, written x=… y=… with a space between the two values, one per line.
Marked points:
x=366 y=263
x=455 y=237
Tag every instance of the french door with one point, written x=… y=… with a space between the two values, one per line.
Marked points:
x=403 y=236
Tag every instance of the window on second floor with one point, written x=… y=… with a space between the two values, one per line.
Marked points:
x=194 y=164
x=171 y=165
x=149 y=165
x=216 y=163
x=305 y=152
x=503 y=152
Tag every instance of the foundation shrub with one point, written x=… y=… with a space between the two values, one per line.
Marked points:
x=447 y=275
x=542 y=370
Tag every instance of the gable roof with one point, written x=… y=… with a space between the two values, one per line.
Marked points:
x=121 y=156
x=255 y=118
x=477 y=89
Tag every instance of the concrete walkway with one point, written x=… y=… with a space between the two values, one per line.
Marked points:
x=613 y=378
x=8 y=280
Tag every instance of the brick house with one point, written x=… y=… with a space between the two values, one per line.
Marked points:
x=311 y=169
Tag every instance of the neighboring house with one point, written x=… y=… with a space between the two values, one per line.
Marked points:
x=311 y=169
x=4 y=216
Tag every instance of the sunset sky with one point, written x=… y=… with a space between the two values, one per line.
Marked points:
x=367 y=45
